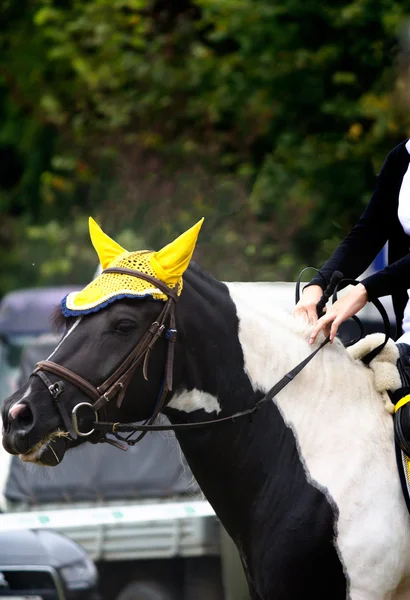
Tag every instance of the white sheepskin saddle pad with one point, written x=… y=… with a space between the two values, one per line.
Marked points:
x=384 y=366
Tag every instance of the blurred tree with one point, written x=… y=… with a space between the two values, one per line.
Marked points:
x=270 y=119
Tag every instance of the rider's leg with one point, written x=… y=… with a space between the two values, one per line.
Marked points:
x=401 y=399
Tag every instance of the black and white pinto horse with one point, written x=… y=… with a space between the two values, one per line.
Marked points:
x=308 y=488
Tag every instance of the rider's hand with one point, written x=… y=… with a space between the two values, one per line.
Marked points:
x=306 y=307
x=340 y=311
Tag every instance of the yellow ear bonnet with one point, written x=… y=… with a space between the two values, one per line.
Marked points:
x=106 y=248
x=168 y=265
x=172 y=261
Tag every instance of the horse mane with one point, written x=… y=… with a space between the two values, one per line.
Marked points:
x=58 y=321
x=383 y=368
x=195 y=269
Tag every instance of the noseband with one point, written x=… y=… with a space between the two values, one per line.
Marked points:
x=115 y=386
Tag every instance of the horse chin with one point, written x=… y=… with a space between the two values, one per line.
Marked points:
x=48 y=452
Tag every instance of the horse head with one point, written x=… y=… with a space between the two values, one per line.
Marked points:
x=116 y=359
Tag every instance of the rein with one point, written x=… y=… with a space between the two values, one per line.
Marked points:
x=115 y=428
x=115 y=386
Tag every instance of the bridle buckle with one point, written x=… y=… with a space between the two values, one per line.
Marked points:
x=56 y=389
x=74 y=419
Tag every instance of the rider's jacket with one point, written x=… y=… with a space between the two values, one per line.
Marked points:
x=380 y=223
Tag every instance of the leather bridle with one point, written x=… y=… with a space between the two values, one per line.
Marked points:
x=115 y=386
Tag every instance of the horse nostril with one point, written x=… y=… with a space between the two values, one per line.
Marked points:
x=22 y=414
x=16 y=410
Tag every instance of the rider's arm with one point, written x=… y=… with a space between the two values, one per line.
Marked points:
x=391 y=279
x=367 y=238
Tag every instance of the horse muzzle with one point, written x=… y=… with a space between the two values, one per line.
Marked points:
x=49 y=452
x=27 y=435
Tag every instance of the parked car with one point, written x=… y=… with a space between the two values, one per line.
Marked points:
x=45 y=565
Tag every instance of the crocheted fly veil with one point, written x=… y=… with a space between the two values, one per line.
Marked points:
x=168 y=265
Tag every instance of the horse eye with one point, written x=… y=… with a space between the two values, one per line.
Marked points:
x=125 y=326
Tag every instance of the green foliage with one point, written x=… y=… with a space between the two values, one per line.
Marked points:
x=268 y=118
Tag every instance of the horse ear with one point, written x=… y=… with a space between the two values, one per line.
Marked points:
x=174 y=258
x=105 y=247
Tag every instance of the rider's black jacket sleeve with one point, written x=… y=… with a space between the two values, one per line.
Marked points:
x=379 y=220
x=390 y=280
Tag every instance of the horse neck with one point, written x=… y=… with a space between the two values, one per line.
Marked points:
x=237 y=346
x=235 y=349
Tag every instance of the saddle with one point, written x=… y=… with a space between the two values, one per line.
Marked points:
x=392 y=380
